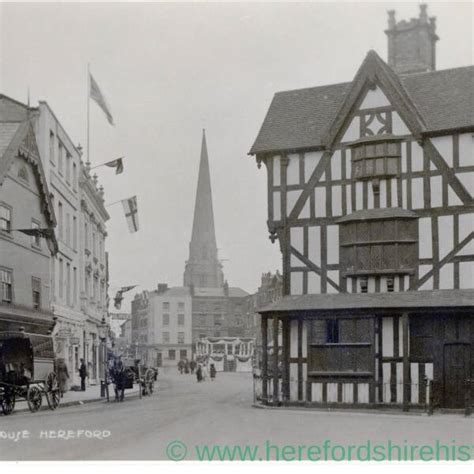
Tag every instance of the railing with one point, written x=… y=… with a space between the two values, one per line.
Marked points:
x=428 y=396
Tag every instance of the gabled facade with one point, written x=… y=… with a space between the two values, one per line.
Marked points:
x=25 y=204
x=371 y=198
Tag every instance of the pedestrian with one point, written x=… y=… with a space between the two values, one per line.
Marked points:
x=83 y=374
x=63 y=376
x=181 y=366
x=205 y=373
x=213 y=372
x=192 y=366
x=199 y=373
x=186 y=366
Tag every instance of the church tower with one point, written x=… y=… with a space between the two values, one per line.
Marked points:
x=203 y=269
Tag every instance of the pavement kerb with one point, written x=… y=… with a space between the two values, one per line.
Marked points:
x=374 y=411
x=77 y=403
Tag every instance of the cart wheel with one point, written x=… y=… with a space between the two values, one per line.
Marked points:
x=8 y=402
x=53 y=395
x=34 y=398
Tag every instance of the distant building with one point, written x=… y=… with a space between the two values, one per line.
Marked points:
x=371 y=197
x=25 y=203
x=161 y=325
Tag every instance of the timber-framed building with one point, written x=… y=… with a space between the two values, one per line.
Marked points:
x=371 y=198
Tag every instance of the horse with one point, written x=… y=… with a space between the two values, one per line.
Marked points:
x=119 y=379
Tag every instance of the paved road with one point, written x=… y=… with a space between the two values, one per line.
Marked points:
x=210 y=413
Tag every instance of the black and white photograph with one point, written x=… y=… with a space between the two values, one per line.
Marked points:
x=236 y=231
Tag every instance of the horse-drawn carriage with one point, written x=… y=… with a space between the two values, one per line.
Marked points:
x=125 y=372
x=27 y=371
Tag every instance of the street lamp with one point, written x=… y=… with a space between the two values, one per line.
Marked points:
x=103 y=329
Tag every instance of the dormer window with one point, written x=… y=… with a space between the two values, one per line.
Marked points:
x=375 y=157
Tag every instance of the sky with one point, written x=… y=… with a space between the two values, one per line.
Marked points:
x=170 y=70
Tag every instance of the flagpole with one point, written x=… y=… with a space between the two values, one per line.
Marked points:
x=113 y=203
x=88 y=113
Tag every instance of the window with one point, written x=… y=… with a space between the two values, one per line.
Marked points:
x=61 y=277
x=23 y=173
x=172 y=354
x=181 y=319
x=376 y=157
x=68 y=284
x=217 y=321
x=36 y=287
x=74 y=287
x=166 y=319
x=60 y=157
x=74 y=233
x=68 y=167
x=166 y=306
x=36 y=238
x=86 y=236
x=74 y=176
x=60 y=220
x=7 y=285
x=180 y=337
x=183 y=354
x=68 y=229
x=332 y=331
x=5 y=218
x=166 y=338
x=371 y=246
x=364 y=285
x=390 y=284
x=181 y=305
x=51 y=147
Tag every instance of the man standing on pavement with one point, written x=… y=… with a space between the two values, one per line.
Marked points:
x=83 y=375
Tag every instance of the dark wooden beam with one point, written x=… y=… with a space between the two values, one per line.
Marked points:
x=275 y=360
x=406 y=363
x=286 y=359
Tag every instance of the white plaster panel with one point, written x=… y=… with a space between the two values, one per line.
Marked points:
x=374 y=98
x=416 y=157
x=446 y=277
x=311 y=160
x=276 y=206
x=320 y=204
x=398 y=125
x=296 y=281
x=353 y=131
x=314 y=283
x=466 y=275
x=333 y=244
x=466 y=149
x=467 y=179
x=314 y=244
x=444 y=145
x=445 y=233
x=291 y=198
x=336 y=165
x=436 y=191
x=293 y=169
x=387 y=337
x=276 y=170
x=336 y=200
x=425 y=247
x=417 y=199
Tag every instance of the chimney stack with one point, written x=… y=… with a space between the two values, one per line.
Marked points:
x=162 y=287
x=412 y=44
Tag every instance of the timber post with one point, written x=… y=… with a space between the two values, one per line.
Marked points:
x=264 y=326
x=406 y=364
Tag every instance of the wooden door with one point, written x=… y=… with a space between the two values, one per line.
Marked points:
x=456 y=372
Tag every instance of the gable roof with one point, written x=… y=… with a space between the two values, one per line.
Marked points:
x=301 y=119
x=17 y=138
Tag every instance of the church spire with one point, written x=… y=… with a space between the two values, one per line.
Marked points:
x=203 y=268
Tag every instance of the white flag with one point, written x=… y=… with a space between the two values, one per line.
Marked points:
x=131 y=213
